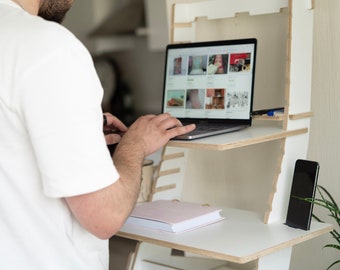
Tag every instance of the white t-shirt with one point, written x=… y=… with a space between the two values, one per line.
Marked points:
x=51 y=145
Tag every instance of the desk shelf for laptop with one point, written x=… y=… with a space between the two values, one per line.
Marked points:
x=249 y=136
x=250 y=170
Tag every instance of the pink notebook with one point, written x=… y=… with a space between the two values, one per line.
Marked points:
x=173 y=216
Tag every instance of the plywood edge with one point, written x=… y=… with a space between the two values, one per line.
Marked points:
x=274 y=183
x=298 y=116
x=196 y=262
x=173 y=156
x=183 y=25
x=270 y=118
x=220 y=9
x=168 y=172
x=280 y=117
x=237 y=144
x=163 y=188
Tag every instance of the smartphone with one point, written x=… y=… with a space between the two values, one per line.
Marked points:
x=304 y=184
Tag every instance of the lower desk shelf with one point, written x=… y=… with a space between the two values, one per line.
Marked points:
x=242 y=237
x=192 y=263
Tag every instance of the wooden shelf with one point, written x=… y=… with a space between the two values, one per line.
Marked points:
x=268 y=118
x=193 y=263
x=242 y=237
x=248 y=136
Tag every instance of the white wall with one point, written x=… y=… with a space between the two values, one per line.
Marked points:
x=324 y=145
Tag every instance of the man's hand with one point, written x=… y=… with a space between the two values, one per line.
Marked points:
x=113 y=129
x=151 y=132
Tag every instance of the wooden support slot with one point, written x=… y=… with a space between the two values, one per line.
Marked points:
x=182 y=25
x=156 y=189
x=300 y=116
x=173 y=156
x=269 y=118
x=171 y=171
x=163 y=188
x=281 y=117
x=169 y=174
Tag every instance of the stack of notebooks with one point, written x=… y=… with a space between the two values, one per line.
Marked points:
x=173 y=216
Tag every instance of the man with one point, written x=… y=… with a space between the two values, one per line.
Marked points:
x=61 y=195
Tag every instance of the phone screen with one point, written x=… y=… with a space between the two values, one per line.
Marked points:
x=303 y=186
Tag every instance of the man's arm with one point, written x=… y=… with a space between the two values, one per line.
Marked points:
x=104 y=212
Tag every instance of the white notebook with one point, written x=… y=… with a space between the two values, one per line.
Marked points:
x=173 y=216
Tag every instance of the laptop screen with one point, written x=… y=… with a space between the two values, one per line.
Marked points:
x=210 y=80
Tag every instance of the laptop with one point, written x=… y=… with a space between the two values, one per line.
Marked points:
x=210 y=84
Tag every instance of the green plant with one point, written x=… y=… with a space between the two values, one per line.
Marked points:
x=326 y=201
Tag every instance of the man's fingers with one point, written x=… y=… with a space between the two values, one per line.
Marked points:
x=112 y=139
x=173 y=132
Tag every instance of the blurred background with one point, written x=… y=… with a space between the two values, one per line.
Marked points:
x=128 y=51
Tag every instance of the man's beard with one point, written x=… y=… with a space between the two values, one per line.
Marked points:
x=54 y=10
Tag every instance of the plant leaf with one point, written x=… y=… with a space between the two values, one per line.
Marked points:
x=327 y=202
x=332 y=246
x=334 y=263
